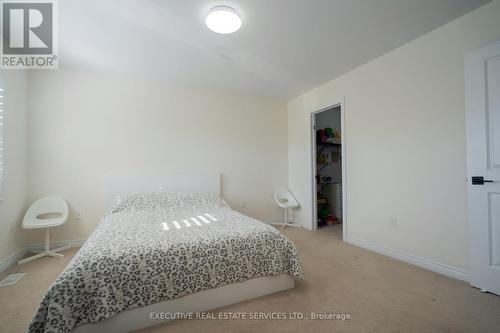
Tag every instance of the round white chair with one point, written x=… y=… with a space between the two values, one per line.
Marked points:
x=285 y=200
x=46 y=213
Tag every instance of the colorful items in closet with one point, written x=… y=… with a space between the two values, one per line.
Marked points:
x=324 y=158
x=323 y=179
x=328 y=135
x=324 y=212
x=331 y=220
x=321 y=200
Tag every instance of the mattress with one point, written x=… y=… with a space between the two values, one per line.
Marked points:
x=153 y=247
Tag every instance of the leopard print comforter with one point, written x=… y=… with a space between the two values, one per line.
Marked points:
x=152 y=247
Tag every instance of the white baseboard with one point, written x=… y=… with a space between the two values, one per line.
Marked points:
x=72 y=243
x=12 y=259
x=431 y=265
x=274 y=220
x=18 y=255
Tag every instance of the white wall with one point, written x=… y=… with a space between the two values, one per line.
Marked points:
x=405 y=123
x=15 y=185
x=84 y=125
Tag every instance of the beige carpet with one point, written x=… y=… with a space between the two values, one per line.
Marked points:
x=381 y=295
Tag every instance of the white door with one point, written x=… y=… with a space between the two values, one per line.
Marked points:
x=482 y=95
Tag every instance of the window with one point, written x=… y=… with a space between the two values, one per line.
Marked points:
x=2 y=136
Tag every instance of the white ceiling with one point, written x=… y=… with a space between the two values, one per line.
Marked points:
x=284 y=48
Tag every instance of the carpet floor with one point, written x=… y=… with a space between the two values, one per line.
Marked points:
x=379 y=293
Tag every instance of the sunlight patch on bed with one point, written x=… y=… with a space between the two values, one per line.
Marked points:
x=205 y=218
x=211 y=217
x=195 y=220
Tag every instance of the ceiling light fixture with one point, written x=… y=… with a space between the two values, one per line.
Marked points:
x=223 y=20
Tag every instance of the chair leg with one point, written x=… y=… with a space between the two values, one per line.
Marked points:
x=47 y=252
x=286 y=223
x=286 y=219
x=62 y=248
x=47 y=240
x=36 y=256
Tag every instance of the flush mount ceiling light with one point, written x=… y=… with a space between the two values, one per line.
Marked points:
x=223 y=20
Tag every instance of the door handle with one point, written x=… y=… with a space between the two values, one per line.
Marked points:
x=479 y=180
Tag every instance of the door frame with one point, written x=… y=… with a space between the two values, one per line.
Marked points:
x=340 y=103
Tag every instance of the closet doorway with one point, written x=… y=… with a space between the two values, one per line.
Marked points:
x=328 y=159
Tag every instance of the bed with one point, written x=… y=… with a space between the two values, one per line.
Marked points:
x=166 y=252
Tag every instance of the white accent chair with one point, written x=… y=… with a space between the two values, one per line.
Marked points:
x=46 y=213
x=285 y=200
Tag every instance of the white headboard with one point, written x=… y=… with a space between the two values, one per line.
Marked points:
x=208 y=183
